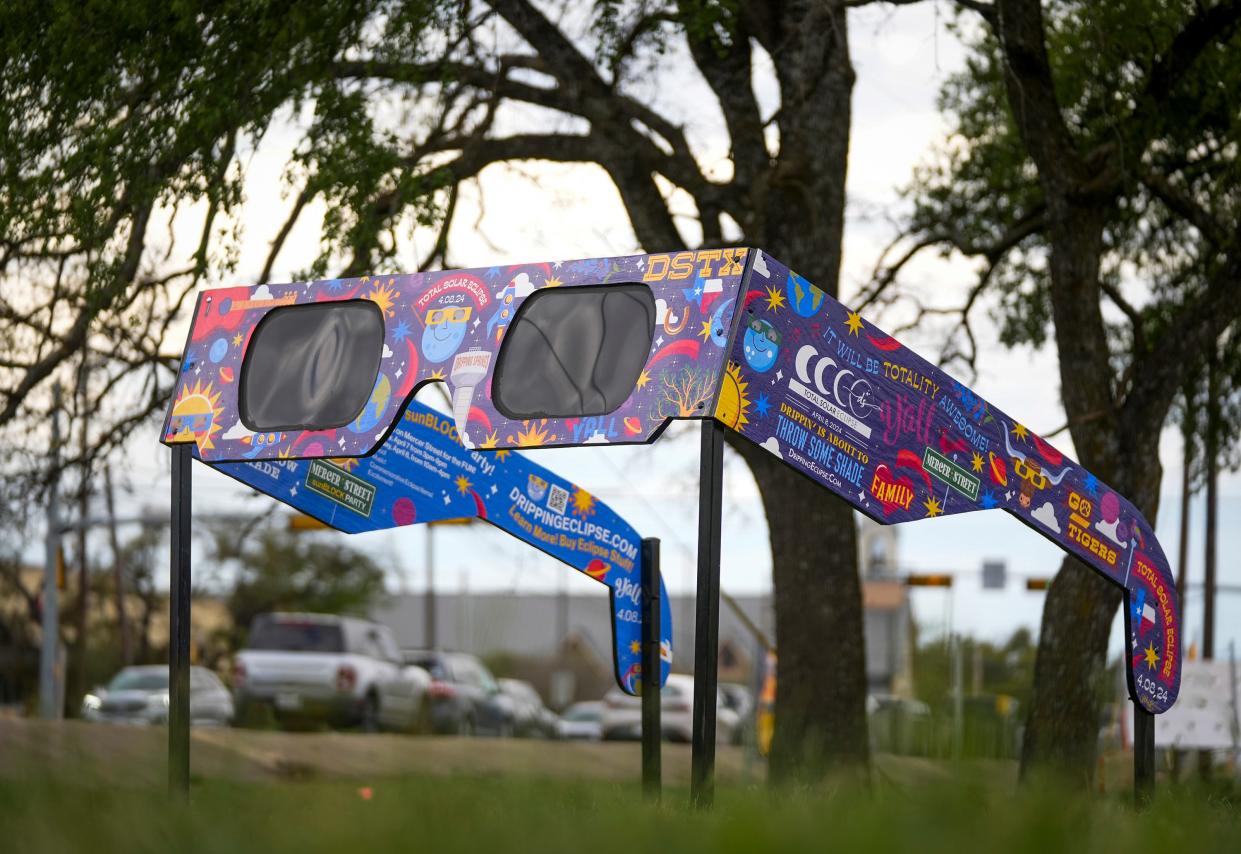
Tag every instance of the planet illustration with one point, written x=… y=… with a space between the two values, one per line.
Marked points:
x=597 y=569
x=999 y=471
x=633 y=426
x=219 y=349
x=226 y=374
x=403 y=512
x=761 y=345
x=370 y=415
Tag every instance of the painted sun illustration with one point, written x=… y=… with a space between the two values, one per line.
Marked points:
x=463 y=484
x=854 y=322
x=1152 y=657
x=932 y=507
x=489 y=444
x=384 y=296
x=733 y=405
x=533 y=435
x=553 y=282
x=437 y=374
x=583 y=502
x=195 y=416
x=775 y=299
x=977 y=462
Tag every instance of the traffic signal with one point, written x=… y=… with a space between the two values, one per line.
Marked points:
x=302 y=522
x=929 y=580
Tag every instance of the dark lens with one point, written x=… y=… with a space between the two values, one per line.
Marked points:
x=311 y=367
x=574 y=352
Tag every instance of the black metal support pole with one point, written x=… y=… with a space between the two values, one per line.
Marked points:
x=707 y=613
x=1143 y=755
x=179 y=625
x=652 y=728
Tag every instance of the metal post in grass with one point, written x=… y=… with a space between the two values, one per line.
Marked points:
x=1143 y=755
x=652 y=728
x=707 y=613
x=179 y=624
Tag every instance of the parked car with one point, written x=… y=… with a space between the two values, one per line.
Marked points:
x=581 y=721
x=531 y=719
x=740 y=699
x=139 y=695
x=321 y=668
x=465 y=697
x=622 y=714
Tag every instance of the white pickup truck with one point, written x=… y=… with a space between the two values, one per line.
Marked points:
x=321 y=668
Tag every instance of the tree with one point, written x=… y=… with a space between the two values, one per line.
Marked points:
x=280 y=571
x=1092 y=172
x=400 y=104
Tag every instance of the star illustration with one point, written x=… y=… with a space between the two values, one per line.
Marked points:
x=775 y=299
x=977 y=462
x=932 y=507
x=237 y=340
x=1091 y=484
x=635 y=647
x=1020 y=431
x=779 y=374
x=705 y=332
x=643 y=379
x=854 y=322
x=463 y=484
x=401 y=331
x=1152 y=657
x=762 y=405
x=988 y=501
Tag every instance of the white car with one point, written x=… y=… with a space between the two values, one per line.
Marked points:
x=581 y=721
x=321 y=668
x=622 y=714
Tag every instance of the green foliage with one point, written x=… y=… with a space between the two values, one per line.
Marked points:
x=281 y=571
x=497 y=814
x=981 y=187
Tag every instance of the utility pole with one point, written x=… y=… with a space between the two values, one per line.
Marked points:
x=1212 y=471
x=50 y=707
x=1212 y=463
x=118 y=570
x=83 y=604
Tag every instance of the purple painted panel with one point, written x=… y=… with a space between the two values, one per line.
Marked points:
x=849 y=406
x=448 y=327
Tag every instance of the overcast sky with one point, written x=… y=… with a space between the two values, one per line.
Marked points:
x=545 y=212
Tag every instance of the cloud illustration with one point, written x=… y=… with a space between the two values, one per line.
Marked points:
x=262 y=292
x=237 y=431
x=772 y=445
x=1047 y=515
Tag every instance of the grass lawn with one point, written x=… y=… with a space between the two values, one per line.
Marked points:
x=70 y=803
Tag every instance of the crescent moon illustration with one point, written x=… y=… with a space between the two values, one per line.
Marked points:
x=836 y=385
x=803 y=357
x=824 y=363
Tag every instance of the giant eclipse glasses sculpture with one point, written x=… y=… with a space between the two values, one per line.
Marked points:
x=608 y=351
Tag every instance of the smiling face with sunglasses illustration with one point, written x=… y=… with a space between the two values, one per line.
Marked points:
x=762 y=345
x=445 y=330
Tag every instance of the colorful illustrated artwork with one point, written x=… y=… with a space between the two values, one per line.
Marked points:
x=899 y=439
x=448 y=327
x=736 y=336
x=423 y=474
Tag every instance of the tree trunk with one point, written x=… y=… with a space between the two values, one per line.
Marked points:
x=821 y=687
x=798 y=216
